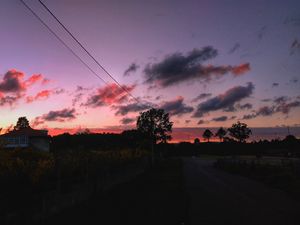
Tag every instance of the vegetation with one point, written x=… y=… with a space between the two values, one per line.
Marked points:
x=22 y=123
x=37 y=168
x=155 y=124
x=196 y=141
x=221 y=133
x=86 y=158
x=239 y=131
x=207 y=134
x=156 y=197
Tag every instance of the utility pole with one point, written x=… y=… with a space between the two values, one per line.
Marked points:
x=152 y=144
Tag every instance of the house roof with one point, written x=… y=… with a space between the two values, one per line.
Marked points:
x=26 y=132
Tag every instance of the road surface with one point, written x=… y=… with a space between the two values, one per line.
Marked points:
x=215 y=197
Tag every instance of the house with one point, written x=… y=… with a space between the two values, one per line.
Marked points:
x=27 y=137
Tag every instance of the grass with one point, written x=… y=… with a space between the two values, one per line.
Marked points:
x=272 y=172
x=156 y=197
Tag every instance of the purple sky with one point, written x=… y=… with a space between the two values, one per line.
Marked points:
x=240 y=58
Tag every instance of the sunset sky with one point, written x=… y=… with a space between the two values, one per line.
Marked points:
x=208 y=63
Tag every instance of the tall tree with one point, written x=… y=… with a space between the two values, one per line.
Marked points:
x=155 y=124
x=22 y=123
x=221 y=133
x=207 y=134
x=239 y=131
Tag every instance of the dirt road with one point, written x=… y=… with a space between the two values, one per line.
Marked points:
x=216 y=197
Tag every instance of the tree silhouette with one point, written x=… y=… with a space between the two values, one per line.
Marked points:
x=22 y=123
x=155 y=124
x=196 y=141
x=207 y=134
x=221 y=133
x=239 y=131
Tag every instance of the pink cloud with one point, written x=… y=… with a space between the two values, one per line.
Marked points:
x=13 y=87
x=109 y=94
x=39 y=96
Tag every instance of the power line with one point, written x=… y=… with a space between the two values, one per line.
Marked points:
x=63 y=42
x=87 y=52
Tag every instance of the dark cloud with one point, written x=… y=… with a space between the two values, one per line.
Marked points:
x=226 y=100
x=234 y=48
x=262 y=111
x=13 y=82
x=79 y=93
x=249 y=116
x=133 y=107
x=173 y=107
x=126 y=120
x=280 y=100
x=275 y=84
x=187 y=121
x=108 y=95
x=294 y=80
x=81 y=89
x=60 y=115
x=220 y=119
x=265 y=111
x=282 y=104
x=245 y=106
x=285 y=108
x=8 y=100
x=177 y=68
x=57 y=116
x=201 y=122
x=176 y=107
x=132 y=68
x=77 y=98
x=262 y=32
x=13 y=86
x=293 y=20
x=201 y=96
x=295 y=47
x=158 y=97
x=266 y=100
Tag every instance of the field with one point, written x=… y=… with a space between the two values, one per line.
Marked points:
x=155 y=197
x=279 y=172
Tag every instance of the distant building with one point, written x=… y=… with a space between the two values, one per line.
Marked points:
x=27 y=137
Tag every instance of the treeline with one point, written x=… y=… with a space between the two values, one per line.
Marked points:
x=133 y=139
x=130 y=139
x=288 y=147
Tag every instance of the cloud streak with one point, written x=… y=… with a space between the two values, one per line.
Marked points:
x=225 y=101
x=201 y=96
x=55 y=116
x=126 y=120
x=131 y=69
x=13 y=86
x=133 y=107
x=176 y=107
x=109 y=95
x=220 y=119
x=177 y=68
x=43 y=95
x=282 y=104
